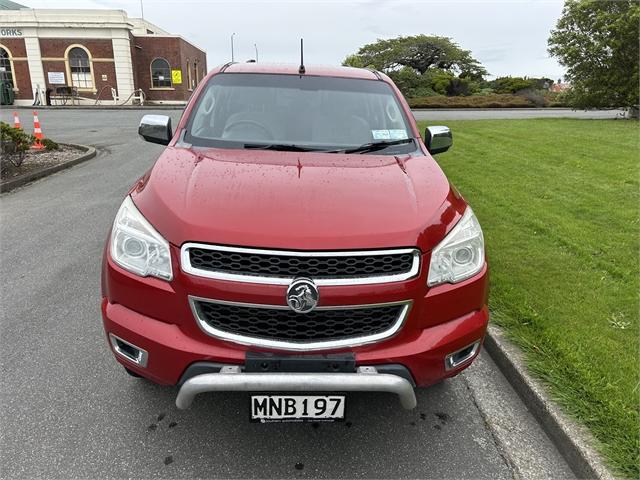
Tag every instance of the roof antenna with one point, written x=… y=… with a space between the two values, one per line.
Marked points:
x=301 y=70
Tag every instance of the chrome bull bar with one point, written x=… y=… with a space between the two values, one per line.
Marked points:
x=232 y=379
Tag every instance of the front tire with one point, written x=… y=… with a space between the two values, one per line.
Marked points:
x=132 y=373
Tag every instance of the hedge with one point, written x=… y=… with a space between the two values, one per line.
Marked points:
x=477 y=101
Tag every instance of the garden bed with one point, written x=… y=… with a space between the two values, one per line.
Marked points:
x=37 y=160
x=40 y=163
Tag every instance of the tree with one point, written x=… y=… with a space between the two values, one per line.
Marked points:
x=354 y=61
x=597 y=41
x=419 y=52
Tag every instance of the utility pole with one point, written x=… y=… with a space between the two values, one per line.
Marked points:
x=141 y=10
x=232 y=57
x=256 y=47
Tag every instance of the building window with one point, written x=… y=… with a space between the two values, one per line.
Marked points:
x=6 y=70
x=195 y=74
x=80 y=68
x=160 y=73
x=189 y=87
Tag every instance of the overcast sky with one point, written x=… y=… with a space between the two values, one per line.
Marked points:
x=507 y=37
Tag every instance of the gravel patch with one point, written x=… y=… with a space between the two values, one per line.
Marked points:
x=37 y=160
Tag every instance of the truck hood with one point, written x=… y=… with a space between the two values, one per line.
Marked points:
x=294 y=200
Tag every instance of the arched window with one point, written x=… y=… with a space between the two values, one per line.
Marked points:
x=6 y=70
x=80 y=68
x=160 y=73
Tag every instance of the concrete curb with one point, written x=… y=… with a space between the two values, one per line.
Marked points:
x=573 y=441
x=8 y=185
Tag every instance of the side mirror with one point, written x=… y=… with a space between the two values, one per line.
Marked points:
x=438 y=139
x=156 y=129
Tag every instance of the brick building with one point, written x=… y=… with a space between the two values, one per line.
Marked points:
x=80 y=56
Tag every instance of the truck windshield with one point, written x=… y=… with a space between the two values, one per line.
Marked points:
x=299 y=113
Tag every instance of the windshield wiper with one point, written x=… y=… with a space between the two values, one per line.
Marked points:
x=290 y=147
x=283 y=147
x=375 y=146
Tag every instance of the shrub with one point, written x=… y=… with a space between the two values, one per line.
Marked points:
x=413 y=84
x=434 y=81
x=542 y=83
x=49 y=144
x=474 y=101
x=557 y=99
x=423 y=92
x=15 y=139
x=457 y=87
x=484 y=91
x=14 y=142
x=407 y=80
x=512 y=84
x=439 y=80
x=535 y=97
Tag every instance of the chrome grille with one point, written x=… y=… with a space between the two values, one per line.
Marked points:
x=280 y=267
x=280 y=327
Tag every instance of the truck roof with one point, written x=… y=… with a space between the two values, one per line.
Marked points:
x=292 y=69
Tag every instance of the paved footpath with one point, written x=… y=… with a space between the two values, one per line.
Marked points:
x=69 y=410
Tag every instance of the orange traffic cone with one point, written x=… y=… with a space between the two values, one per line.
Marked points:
x=37 y=132
x=16 y=120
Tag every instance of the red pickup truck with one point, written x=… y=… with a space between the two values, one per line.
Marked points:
x=297 y=241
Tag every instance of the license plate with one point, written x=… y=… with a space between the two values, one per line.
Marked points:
x=296 y=408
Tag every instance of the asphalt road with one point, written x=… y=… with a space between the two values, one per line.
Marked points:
x=69 y=410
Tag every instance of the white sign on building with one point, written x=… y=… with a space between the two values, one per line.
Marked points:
x=56 y=78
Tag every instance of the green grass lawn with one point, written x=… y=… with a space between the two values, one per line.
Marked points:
x=559 y=203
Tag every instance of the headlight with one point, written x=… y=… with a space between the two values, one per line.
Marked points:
x=460 y=255
x=137 y=246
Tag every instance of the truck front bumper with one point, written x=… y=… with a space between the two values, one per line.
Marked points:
x=231 y=378
x=165 y=352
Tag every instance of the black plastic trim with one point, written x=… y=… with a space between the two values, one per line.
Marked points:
x=270 y=362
